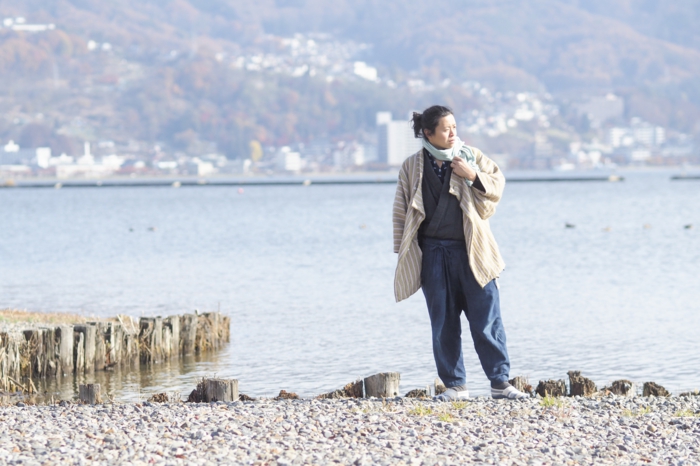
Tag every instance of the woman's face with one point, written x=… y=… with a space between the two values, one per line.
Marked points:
x=445 y=133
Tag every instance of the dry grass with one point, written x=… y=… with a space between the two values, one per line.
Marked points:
x=16 y=316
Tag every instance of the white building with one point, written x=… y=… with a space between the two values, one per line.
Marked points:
x=287 y=160
x=637 y=133
x=43 y=156
x=395 y=140
x=362 y=70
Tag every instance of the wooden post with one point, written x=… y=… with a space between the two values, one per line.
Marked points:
x=579 y=385
x=11 y=345
x=382 y=385
x=158 y=340
x=225 y=329
x=172 y=325
x=100 y=346
x=167 y=341
x=188 y=333
x=622 y=387
x=48 y=363
x=653 y=389
x=130 y=341
x=79 y=352
x=131 y=348
x=220 y=390
x=89 y=332
x=34 y=352
x=213 y=330
x=551 y=388
x=90 y=393
x=115 y=340
x=65 y=349
x=151 y=337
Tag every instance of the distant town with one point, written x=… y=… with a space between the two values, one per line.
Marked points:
x=519 y=130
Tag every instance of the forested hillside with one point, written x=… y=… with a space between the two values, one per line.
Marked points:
x=163 y=70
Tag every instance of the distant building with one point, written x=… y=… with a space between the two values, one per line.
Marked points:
x=638 y=133
x=287 y=160
x=395 y=140
x=43 y=156
x=362 y=70
x=348 y=155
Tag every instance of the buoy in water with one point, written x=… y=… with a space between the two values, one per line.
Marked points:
x=240 y=191
x=688 y=226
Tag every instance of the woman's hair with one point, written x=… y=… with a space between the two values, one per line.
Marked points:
x=428 y=120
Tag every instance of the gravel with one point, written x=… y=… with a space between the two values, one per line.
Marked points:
x=609 y=430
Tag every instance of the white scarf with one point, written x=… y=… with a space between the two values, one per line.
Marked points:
x=458 y=150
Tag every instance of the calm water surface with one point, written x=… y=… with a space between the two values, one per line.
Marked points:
x=306 y=274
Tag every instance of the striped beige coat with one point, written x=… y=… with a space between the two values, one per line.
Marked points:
x=477 y=206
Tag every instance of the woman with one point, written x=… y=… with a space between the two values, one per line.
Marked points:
x=445 y=195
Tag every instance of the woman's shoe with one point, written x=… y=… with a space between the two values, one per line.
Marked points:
x=453 y=395
x=510 y=393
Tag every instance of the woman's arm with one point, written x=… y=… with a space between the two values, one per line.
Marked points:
x=400 y=207
x=492 y=181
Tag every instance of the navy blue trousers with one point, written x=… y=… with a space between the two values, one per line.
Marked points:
x=450 y=289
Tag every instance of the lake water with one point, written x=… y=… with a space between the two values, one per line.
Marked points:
x=306 y=274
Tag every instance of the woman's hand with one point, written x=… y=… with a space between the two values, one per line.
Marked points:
x=462 y=168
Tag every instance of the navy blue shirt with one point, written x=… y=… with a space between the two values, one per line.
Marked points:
x=439 y=171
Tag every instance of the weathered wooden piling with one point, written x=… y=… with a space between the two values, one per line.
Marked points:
x=188 y=331
x=551 y=388
x=654 y=389
x=383 y=385
x=100 y=346
x=209 y=390
x=90 y=393
x=171 y=337
x=352 y=390
x=621 y=387
x=221 y=390
x=151 y=340
x=87 y=341
x=579 y=385
x=65 y=349
x=50 y=351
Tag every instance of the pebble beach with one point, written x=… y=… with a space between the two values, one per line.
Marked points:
x=606 y=430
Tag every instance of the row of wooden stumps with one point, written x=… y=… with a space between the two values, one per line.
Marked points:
x=582 y=386
x=383 y=385
x=51 y=351
x=386 y=385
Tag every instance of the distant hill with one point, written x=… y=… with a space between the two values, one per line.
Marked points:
x=563 y=44
x=647 y=50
